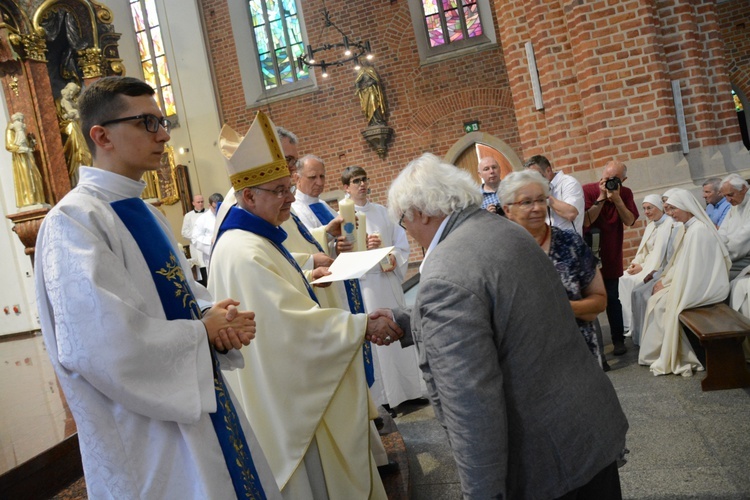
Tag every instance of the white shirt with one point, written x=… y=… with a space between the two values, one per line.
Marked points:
x=435 y=240
x=567 y=188
x=203 y=232
x=301 y=207
x=187 y=232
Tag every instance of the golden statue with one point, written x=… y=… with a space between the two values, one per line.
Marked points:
x=75 y=148
x=26 y=177
x=370 y=95
x=151 y=191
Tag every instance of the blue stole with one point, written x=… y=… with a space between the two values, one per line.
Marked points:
x=179 y=303
x=353 y=292
x=237 y=218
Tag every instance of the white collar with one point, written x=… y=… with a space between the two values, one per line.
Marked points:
x=434 y=242
x=117 y=184
x=362 y=208
x=304 y=198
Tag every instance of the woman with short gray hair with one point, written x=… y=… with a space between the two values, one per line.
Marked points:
x=525 y=196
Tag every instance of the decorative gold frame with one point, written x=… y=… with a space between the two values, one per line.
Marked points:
x=169 y=193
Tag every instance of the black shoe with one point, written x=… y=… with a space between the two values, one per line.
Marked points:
x=620 y=348
x=379 y=424
x=605 y=367
x=390 y=411
x=419 y=401
x=388 y=468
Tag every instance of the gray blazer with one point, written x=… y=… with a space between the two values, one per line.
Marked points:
x=527 y=410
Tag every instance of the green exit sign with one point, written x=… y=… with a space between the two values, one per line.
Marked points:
x=470 y=127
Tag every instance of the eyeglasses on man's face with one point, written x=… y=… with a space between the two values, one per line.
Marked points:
x=151 y=122
x=401 y=221
x=280 y=191
x=359 y=180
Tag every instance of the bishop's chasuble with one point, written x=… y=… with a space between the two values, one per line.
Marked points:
x=303 y=379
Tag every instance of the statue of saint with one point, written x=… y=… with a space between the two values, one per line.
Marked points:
x=74 y=146
x=371 y=98
x=26 y=177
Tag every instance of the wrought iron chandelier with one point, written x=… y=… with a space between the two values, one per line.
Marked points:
x=338 y=54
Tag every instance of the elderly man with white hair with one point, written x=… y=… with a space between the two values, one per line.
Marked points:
x=528 y=411
x=735 y=229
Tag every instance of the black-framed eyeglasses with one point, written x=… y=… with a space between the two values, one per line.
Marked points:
x=151 y=122
x=280 y=191
x=359 y=181
x=401 y=221
x=290 y=160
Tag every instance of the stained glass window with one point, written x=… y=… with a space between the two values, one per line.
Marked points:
x=451 y=20
x=151 y=49
x=278 y=39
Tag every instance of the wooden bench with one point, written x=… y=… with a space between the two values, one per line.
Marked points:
x=721 y=331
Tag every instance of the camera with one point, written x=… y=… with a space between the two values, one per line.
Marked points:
x=613 y=183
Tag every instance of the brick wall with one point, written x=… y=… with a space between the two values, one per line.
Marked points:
x=734 y=23
x=605 y=65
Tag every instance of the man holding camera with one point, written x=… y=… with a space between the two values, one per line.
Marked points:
x=489 y=172
x=610 y=207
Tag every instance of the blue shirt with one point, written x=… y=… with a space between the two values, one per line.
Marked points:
x=490 y=198
x=717 y=212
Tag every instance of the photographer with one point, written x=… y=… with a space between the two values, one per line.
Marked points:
x=610 y=207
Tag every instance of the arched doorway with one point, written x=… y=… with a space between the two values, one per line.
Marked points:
x=468 y=150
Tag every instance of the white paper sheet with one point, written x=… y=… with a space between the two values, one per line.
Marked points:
x=352 y=265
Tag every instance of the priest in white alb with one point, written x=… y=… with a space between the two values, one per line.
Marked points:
x=123 y=324
x=397 y=375
x=303 y=386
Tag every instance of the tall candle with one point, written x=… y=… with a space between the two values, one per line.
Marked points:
x=361 y=231
x=348 y=227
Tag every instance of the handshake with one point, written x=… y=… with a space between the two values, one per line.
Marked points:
x=381 y=329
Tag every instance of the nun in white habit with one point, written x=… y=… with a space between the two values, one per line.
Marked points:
x=696 y=275
x=650 y=252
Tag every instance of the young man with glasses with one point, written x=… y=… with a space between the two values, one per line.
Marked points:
x=397 y=376
x=134 y=340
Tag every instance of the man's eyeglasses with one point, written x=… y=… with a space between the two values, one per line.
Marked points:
x=401 y=221
x=150 y=121
x=280 y=192
x=359 y=181
x=528 y=204
x=290 y=160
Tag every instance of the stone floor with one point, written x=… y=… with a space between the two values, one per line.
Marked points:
x=684 y=443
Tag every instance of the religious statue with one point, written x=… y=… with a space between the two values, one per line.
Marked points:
x=371 y=98
x=74 y=147
x=26 y=177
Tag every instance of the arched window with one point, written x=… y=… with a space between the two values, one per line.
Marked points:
x=151 y=50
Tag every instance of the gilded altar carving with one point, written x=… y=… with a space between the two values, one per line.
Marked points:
x=90 y=62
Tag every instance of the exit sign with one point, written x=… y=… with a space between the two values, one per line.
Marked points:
x=470 y=127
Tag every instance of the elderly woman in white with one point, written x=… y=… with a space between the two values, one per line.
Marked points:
x=649 y=255
x=697 y=274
